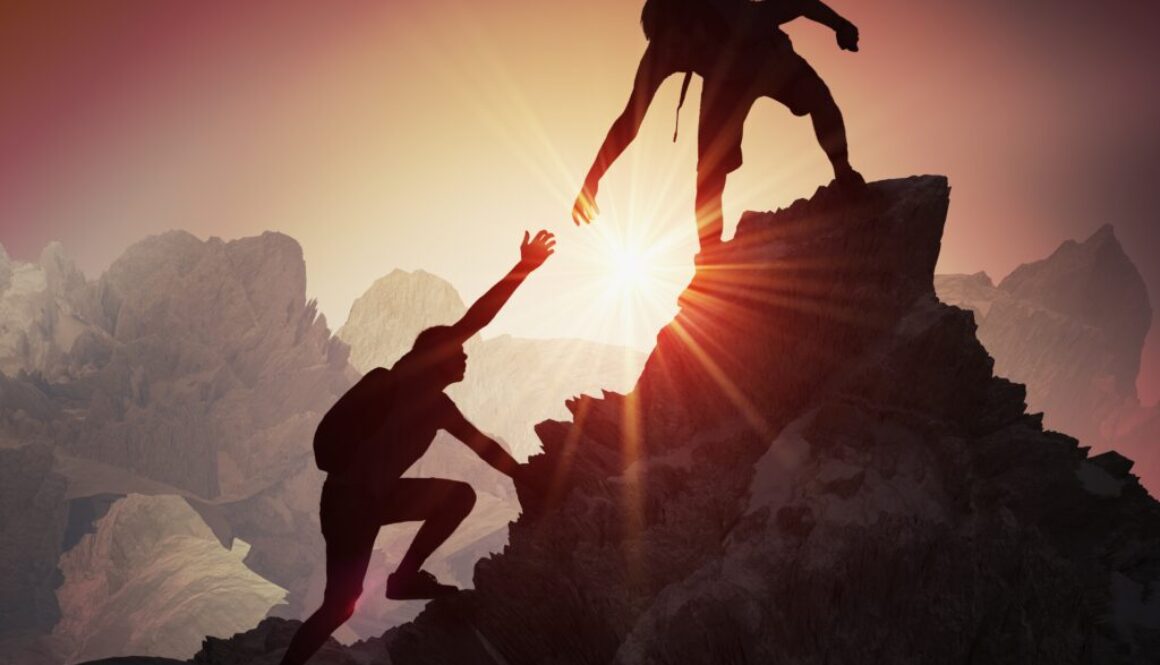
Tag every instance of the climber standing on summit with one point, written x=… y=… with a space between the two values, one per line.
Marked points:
x=741 y=54
x=374 y=433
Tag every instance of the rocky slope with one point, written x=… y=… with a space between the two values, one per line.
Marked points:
x=817 y=465
x=1071 y=328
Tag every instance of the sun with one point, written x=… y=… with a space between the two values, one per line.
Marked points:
x=631 y=268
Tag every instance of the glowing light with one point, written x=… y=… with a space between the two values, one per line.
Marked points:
x=632 y=268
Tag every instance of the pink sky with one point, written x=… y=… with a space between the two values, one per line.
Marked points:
x=430 y=134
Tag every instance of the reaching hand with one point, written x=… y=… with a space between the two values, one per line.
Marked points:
x=584 y=209
x=534 y=251
x=847 y=35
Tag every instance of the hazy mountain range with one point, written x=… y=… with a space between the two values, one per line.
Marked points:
x=158 y=420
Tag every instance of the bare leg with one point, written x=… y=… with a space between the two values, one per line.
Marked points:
x=710 y=218
x=831 y=133
x=348 y=552
x=441 y=504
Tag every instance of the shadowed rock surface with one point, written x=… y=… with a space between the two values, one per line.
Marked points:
x=817 y=465
x=33 y=520
x=1071 y=328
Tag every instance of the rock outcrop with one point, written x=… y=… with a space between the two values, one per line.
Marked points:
x=1071 y=328
x=153 y=579
x=194 y=369
x=39 y=323
x=817 y=465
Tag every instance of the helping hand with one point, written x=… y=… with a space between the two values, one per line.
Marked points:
x=585 y=209
x=847 y=35
x=534 y=251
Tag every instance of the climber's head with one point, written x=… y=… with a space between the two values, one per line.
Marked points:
x=438 y=356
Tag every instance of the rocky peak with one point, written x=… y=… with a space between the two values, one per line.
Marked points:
x=1096 y=284
x=815 y=443
x=384 y=321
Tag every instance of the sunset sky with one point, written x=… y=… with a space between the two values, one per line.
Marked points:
x=430 y=134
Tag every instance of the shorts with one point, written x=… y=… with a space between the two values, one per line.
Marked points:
x=729 y=92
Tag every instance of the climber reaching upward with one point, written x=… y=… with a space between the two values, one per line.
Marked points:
x=374 y=433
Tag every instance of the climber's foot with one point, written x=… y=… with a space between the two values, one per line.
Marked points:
x=416 y=586
x=848 y=181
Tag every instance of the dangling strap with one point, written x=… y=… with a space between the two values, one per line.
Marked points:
x=684 y=92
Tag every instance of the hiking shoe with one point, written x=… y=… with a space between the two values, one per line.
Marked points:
x=849 y=181
x=416 y=586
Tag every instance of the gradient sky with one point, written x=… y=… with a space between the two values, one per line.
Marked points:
x=430 y=134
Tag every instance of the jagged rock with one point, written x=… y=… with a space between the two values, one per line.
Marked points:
x=817 y=465
x=200 y=370
x=1072 y=327
x=39 y=322
x=153 y=580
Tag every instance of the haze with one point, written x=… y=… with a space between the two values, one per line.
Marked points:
x=431 y=134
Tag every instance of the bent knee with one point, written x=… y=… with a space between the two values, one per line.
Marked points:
x=337 y=609
x=810 y=96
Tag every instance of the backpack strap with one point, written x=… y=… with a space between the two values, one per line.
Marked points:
x=681 y=102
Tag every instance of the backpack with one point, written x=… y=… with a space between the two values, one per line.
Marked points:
x=354 y=419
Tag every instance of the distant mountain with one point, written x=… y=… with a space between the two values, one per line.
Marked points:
x=384 y=320
x=191 y=368
x=1071 y=327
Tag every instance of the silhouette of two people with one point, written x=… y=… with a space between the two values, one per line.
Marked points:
x=741 y=54
x=374 y=433
x=387 y=421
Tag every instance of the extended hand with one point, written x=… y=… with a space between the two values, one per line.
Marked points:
x=584 y=209
x=534 y=251
x=847 y=34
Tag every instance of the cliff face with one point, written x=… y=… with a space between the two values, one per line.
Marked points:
x=817 y=464
x=1071 y=328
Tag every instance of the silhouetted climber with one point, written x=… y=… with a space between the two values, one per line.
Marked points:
x=374 y=433
x=741 y=54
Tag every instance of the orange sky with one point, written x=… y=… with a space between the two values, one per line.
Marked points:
x=430 y=134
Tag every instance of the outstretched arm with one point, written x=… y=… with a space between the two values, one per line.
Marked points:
x=649 y=76
x=491 y=452
x=533 y=253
